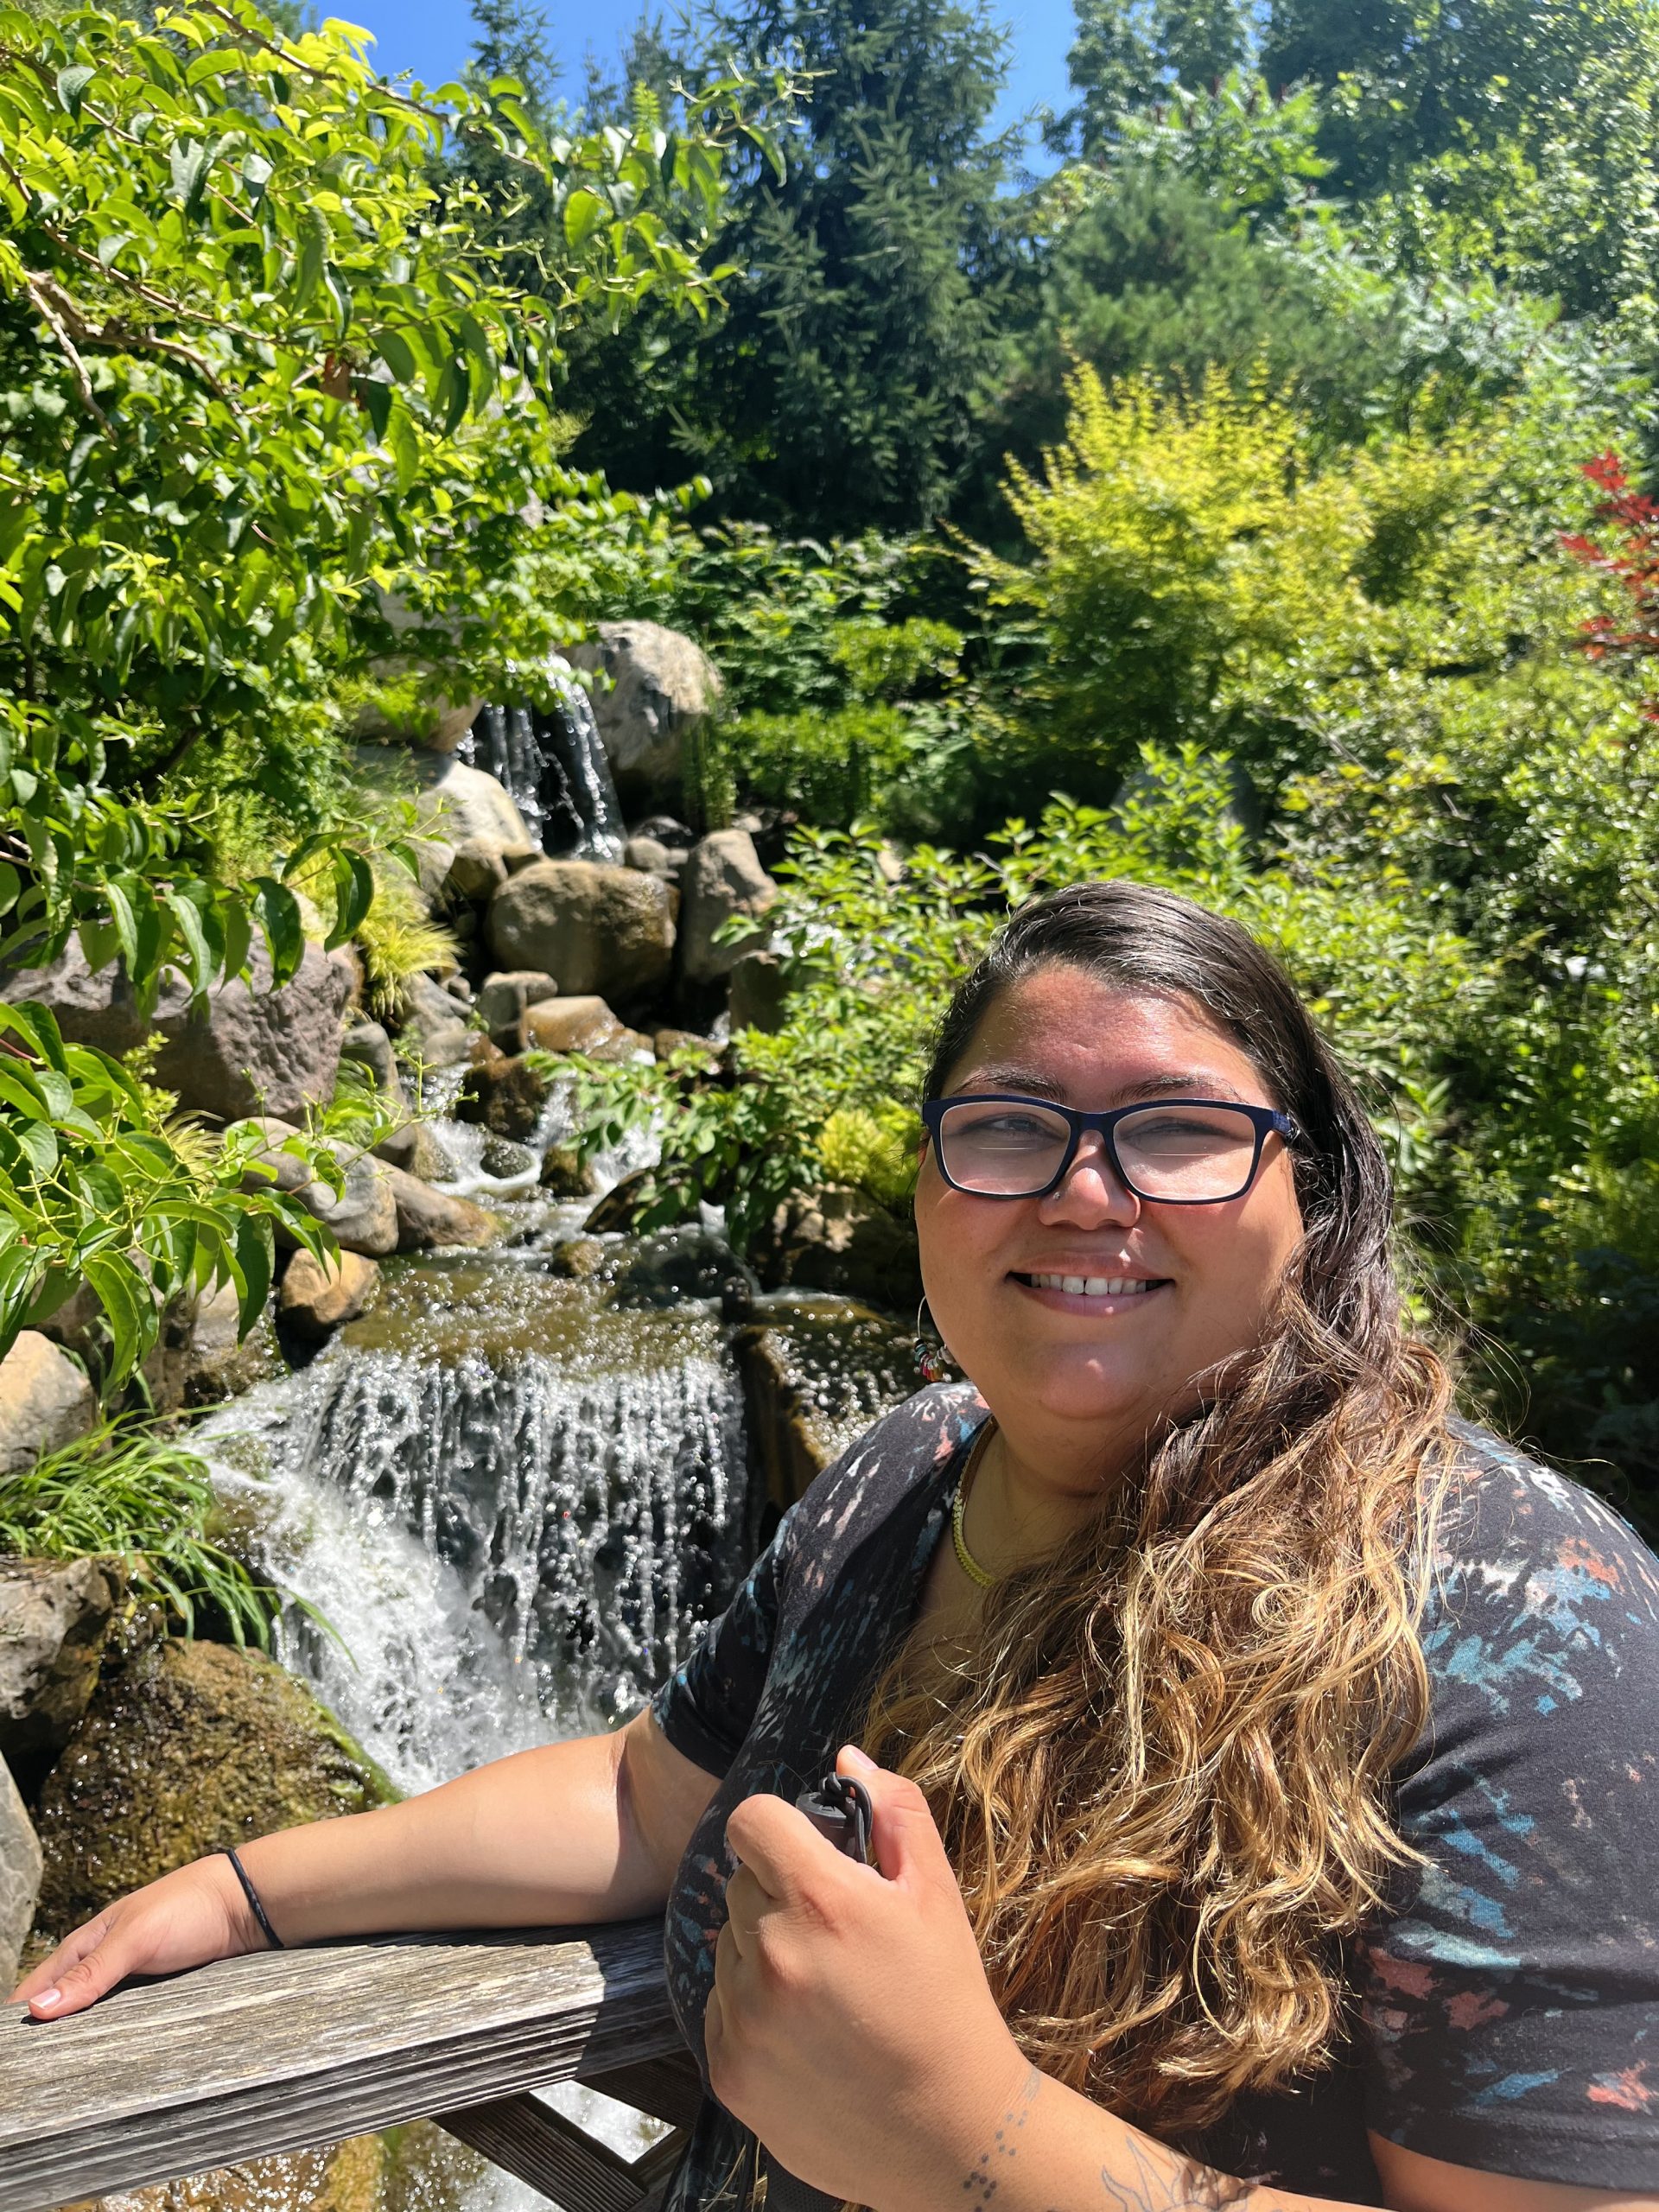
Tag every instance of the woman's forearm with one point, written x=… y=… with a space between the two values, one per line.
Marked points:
x=544 y=1837
x=1040 y=2145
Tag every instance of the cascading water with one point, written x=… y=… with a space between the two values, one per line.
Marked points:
x=511 y=1507
x=554 y=767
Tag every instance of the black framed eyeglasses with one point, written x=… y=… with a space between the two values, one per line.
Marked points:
x=1173 y=1152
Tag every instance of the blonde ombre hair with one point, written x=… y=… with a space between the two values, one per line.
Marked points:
x=1162 y=1770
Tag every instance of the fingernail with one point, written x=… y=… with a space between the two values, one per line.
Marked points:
x=851 y=1755
x=47 y=1996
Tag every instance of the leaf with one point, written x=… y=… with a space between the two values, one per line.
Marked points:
x=583 y=213
x=195 y=940
x=72 y=85
x=252 y=1268
x=126 y=1299
x=278 y=913
x=354 y=896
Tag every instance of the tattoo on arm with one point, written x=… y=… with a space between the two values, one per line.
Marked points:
x=981 y=2185
x=1144 y=2177
x=1150 y=2178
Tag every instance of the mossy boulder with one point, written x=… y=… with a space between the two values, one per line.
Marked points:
x=191 y=1747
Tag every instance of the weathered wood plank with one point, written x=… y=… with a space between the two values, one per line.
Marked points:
x=553 y=2154
x=287 y=2049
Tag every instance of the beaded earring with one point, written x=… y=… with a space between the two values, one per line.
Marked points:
x=933 y=1360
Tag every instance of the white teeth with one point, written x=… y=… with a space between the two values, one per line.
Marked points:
x=1092 y=1286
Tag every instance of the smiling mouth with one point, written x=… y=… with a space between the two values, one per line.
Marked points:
x=1094 y=1286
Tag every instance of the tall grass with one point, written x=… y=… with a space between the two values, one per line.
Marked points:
x=143 y=1497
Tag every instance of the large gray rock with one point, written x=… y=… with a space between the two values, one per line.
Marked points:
x=363 y=1215
x=661 y=684
x=435 y=1029
x=383 y=1209
x=427 y=1218
x=417 y=1152
x=462 y=805
x=54 y=1615
x=45 y=1400
x=252 y=1050
x=594 y=929
x=724 y=877
x=836 y=1239
x=20 y=1875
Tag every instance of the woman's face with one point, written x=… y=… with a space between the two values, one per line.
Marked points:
x=1128 y=1361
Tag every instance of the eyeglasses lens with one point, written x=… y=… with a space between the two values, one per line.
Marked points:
x=1001 y=1150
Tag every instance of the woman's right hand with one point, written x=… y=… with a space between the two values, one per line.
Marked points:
x=195 y=1914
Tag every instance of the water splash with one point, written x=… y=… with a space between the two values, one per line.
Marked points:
x=513 y=1542
x=554 y=766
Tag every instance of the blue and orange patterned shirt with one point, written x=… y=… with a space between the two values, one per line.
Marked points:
x=1504 y=2010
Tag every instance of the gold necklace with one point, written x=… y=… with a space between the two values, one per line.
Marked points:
x=965 y=1560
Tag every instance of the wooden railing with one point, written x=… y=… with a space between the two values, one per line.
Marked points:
x=284 y=2050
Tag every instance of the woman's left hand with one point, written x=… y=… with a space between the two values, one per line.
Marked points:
x=851 y=2025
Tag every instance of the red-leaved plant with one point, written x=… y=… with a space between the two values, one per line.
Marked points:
x=1633 y=559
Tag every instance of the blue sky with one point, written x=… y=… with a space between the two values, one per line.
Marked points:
x=433 y=38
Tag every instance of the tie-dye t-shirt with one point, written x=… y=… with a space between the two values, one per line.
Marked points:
x=1505 y=2010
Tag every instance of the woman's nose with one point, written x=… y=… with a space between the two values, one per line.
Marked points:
x=1090 y=1193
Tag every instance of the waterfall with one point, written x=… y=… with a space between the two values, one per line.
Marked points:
x=511 y=1545
x=554 y=767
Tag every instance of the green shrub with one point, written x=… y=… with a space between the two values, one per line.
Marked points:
x=148 y=1500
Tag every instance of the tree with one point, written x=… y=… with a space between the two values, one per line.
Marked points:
x=836 y=391
x=257 y=373
x=1128 y=54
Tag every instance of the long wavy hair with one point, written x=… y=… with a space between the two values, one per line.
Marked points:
x=1161 y=1771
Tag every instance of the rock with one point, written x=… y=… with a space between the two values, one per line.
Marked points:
x=317 y=1296
x=680 y=1263
x=465 y=806
x=566 y=1174
x=574 y=1025
x=367 y=1044
x=459 y=989
x=503 y=1159
x=364 y=1217
x=814 y=1378
x=506 y=1096
x=759 y=995
x=666 y=1040
x=837 y=1239
x=594 y=927
x=435 y=1030
x=617 y=1208
x=427 y=1218
x=54 y=1615
x=481 y=865
x=192 y=1747
x=253 y=1051
x=417 y=1152
x=652 y=859
x=20 y=1875
x=503 y=998
x=661 y=686
x=579 y=1259
x=724 y=877
x=664 y=829
x=45 y=1400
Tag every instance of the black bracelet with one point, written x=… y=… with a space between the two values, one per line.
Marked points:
x=259 y=1912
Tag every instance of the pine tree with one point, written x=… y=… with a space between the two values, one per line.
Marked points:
x=836 y=393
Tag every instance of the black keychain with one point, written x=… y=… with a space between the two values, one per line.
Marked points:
x=840 y=1810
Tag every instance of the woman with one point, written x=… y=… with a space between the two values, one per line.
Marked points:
x=1264 y=1764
